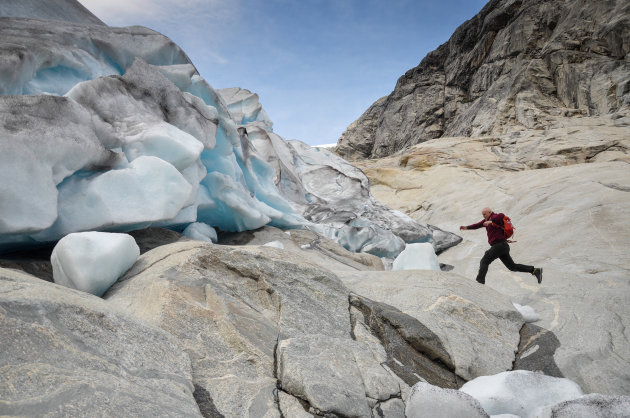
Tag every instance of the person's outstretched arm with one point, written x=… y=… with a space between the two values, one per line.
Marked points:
x=473 y=226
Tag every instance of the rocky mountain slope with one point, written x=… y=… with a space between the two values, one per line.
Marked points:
x=516 y=65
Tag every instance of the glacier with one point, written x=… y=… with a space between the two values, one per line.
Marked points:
x=113 y=129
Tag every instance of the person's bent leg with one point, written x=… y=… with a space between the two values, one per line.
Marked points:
x=492 y=254
x=512 y=266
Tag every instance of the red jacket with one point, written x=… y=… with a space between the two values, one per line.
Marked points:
x=494 y=230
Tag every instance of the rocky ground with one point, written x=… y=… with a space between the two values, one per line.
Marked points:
x=249 y=330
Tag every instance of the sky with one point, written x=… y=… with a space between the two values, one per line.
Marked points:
x=316 y=65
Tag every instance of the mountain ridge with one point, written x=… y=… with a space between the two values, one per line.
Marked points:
x=513 y=66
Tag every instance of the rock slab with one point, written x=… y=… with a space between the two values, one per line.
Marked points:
x=67 y=353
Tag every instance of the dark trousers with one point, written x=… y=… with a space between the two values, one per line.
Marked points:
x=500 y=250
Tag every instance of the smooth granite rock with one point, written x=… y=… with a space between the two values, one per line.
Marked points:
x=426 y=400
x=571 y=219
x=242 y=312
x=68 y=353
x=477 y=326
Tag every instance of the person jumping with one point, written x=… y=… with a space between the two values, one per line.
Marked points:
x=499 y=247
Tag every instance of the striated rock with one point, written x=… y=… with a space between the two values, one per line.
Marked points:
x=478 y=327
x=594 y=405
x=332 y=375
x=290 y=406
x=391 y=408
x=65 y=352
x=243 y=314
x=516 y=65
x=408 y=348
x=536 y=351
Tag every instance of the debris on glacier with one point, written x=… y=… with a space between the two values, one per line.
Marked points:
x=328 y=191
x=419 y=256
x=93 y=261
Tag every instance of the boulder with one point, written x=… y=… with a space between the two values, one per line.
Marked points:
x=352 y=376
x=477 y=326
x=426 y=400
x=65 y=352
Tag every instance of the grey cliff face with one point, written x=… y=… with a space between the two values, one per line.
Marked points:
x=516 y=65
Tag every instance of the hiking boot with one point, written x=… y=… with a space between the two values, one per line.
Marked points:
x=538 y=273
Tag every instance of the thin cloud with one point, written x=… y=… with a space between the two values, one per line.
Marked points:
x=130 y=12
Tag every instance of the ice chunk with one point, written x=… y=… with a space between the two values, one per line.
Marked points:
x=527 y=312
x=201 y=232
x=166 y=142
x=274 y=244
x=362 y=236
x=419 y=256
x=520 y=392
x=93 y=261
x=148 y=190
x=179 y=74
x=426 y=400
